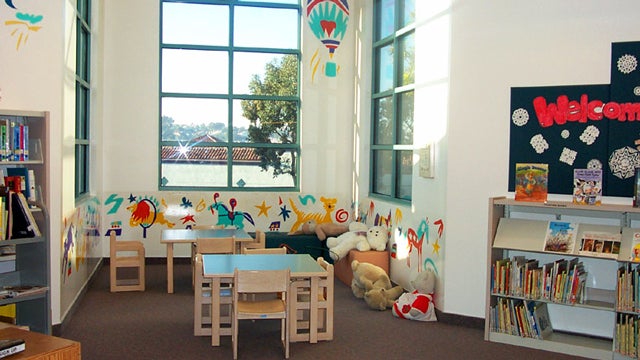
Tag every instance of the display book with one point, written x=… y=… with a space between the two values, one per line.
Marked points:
x=525 y=273
x=11 y=346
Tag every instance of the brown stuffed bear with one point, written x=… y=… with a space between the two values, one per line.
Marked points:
x=322 y=231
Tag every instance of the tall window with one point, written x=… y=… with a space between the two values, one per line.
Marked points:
x=392 y=99
x=229 y=94
x=83 y=96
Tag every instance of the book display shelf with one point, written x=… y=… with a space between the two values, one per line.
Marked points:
x=25 y=286
x=564 y=277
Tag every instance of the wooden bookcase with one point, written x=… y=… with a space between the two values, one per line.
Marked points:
x=585 y=329
x=32 y=260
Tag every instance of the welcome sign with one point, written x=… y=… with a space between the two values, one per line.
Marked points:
x=581 y=127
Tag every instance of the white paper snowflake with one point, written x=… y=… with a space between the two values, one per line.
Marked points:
x=539 y=144
x=627 y=63
x=568 y=156
x=565 y=134
x=636 y=91
x=623 y=162
x=590 y=135
x=594 y=164
x=520 y=117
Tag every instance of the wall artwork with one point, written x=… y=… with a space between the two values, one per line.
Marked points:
x=22 y=25
x=328 y=21
x=581 y=127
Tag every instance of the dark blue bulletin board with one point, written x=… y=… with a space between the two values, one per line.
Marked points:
x=581 y=126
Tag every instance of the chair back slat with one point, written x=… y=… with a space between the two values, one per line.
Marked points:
x=261 y=281
x=278 y=250
x=215 y=245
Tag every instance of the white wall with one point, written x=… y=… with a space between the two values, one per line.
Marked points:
x=32 y=78
x=495 y=46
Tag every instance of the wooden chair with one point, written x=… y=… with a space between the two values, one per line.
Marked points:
x=124 y=256
x=201 y=227
x=301 y=304
x=261 y=281
x=209 y=246
x=202 y=287
x=259 y=243
x=278 y=250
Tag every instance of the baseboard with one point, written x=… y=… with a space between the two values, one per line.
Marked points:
x=157 y=261
x=460 y=320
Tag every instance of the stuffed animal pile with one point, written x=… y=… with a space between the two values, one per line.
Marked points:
x=358 y=237
x=372 y=283
x=418 y=305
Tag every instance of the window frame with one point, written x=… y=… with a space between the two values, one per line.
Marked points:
x=82 y=146
x=396 y=146
x=231 y=97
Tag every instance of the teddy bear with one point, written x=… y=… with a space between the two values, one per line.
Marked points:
x=371 y=283
x=323 y=230
x=418 y=304
x=358 y=237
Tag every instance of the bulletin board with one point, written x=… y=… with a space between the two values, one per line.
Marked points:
x=581 y=127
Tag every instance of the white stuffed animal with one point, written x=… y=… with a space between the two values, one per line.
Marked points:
x=418 y=305
x=358 y=237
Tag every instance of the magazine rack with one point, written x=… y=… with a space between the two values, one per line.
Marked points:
x=519 y=233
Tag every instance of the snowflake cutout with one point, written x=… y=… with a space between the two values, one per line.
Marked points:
x=590 y=135
x=520 y=117
x=594 y=164
x=627 y=63
x=636 y=91
x=539 y=144
x=623 y=162
x=568 y=156
x=565 y=134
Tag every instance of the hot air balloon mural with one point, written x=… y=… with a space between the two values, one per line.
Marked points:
x=328 y=21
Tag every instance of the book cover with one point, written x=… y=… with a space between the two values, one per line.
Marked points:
x=24 y=224
x=543 y=322
x=531 y=182
x=587 y=186
x=11 y=346
x=23 y=173
x=561 y=236
x=636 y=188
x=600 y=244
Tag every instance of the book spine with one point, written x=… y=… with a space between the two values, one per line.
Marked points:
x=25 y=142
x=32 y=185
x=16 y=142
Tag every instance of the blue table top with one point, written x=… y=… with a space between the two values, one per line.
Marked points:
x=302 y=265
x=188 y=235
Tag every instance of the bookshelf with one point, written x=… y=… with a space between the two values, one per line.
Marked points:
x=32 y=254
x=593 y=314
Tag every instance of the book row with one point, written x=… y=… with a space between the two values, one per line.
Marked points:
x=627 y=335
x=561 y=281
x=14 y=140
x=521 y=318
x=628 y=287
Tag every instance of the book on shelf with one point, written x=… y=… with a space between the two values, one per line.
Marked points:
x=587 y=186
x=21 y=223
x=23 y=173
x=11 y=346
x=600 y=244
x=542 y=320
x=560 y=237
x=531 y=182
x=23 y=290
x=31 y=184
x=636 y=188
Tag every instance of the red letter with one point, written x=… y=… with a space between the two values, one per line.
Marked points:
x=592 y=114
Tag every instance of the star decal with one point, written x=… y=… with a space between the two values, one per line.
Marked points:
x=131 y=198
x=264 y=209
x=285 y=213
x=436 y=247
x=188 y=217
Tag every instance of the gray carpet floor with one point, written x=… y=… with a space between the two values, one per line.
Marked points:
x=157 y=325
